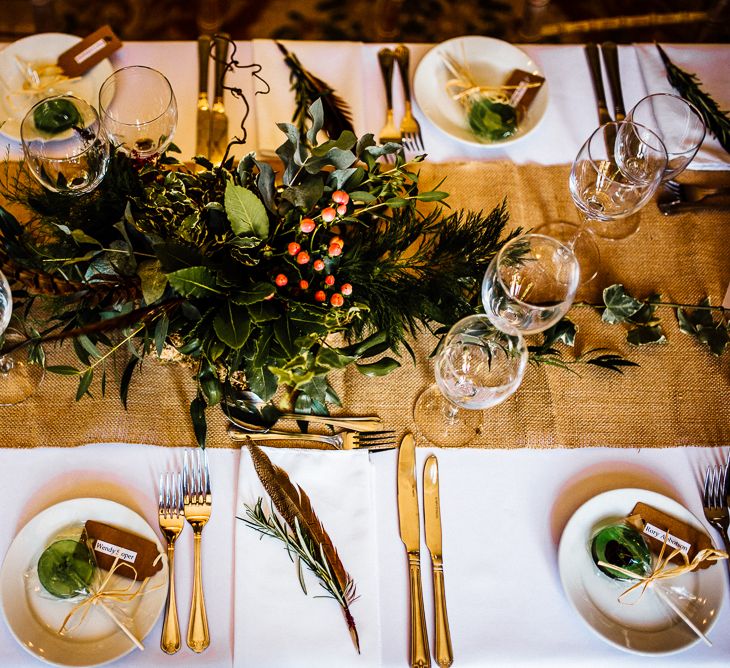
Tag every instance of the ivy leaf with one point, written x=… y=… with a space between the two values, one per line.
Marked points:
x=329 y=358
x=700 y=324
x=645 y=334
x=620 y=305
x=153 y=280
x=232 y=325
x=245 y=211
x=380 y=368
x=563 y=331
x=193 y=282
x=261 y=381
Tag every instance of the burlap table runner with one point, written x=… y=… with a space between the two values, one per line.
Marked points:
x=678 y=396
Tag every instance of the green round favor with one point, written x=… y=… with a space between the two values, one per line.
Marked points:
x=621 y=545
x=54 y=116
x=65 y=568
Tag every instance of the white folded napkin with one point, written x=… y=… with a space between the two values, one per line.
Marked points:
x=339 y=68
x=712 y=67
x=276 y=624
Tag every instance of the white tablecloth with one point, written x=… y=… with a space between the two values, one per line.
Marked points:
x=503 y=514
x=352 y=69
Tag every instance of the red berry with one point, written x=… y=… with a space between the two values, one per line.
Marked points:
x=294 y=248
x=340 y=196
x=303 y=284
x=307 y=225
x=337 y=299
x=329 y=280
x=334 y=250
x=328 y=214
x=318 y=265
x=346 y=289
x=320 y=296
x=337 y=241
x=342 y=209
x=281 y=280
x=303 y=257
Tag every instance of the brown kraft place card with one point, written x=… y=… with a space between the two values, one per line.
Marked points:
x=109 y=542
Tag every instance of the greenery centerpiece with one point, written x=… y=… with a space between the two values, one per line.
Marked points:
x=245 y=276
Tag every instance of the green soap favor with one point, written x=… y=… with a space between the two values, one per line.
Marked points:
x=623 y=546
x=65 y=568
x=54 y=116
x=492 y=121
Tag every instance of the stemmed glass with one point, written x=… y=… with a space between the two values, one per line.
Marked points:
x=64 y=145
x=18 y=378
x=615 y=173
x=477 y=367
x=530 y=284
x=677 y=123
x=138 y=111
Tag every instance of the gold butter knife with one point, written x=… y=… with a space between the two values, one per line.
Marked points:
x=202 y=130
x=218 y=118
x=432 y=520
x=410 y=533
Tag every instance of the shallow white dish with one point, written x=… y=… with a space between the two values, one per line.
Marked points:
x=33 y=620
x=42 y=48
x=491 y=62
x=647 y=627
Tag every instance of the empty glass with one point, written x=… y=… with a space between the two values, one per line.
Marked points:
x=64 y=145
x=530 y=284
x=477 y=367
x=18 y=378
x=138 y=111
x=677 y=123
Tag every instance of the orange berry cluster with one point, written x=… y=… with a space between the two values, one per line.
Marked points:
x=340 y=199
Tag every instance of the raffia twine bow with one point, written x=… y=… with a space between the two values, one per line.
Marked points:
x=103 y=594
x=663 y=570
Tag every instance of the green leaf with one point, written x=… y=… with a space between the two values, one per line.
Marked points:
x=396 y=202
x=645 y=334
x=84 y=383
x=307 y=193
x=232 y=325
x=362 y=196
x=262 y=382
x=197 y=415
x=330 y=358
x=245 y=211
x=88 y=345
x=62 y=370
x=620 y=305
x=193 y=282
x=612 y=362
x=432 y=196
x=263 y=312
x=161 y=328
x=153 y=280
x=563 y=331
x=344 y=142
x=716 y=338
x=126 y=379
x=82 y=238
x=380 y=368
x=257 y=293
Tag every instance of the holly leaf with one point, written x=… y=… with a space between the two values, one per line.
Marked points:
x=245 y=211
x=620 y=305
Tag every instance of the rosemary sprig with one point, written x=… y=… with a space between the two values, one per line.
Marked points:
x=302 y=549
x=687 y=85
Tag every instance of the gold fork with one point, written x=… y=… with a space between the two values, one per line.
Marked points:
x=346 y=440
x=171 y=519
x=389 y=132
x=197 y=501
x=409 y=128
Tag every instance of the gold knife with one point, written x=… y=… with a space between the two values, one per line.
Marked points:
x=202 y=131
x=410 y=533
x=432 y=521
x=218 y=118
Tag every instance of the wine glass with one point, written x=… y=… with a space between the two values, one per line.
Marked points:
x=530 y=284
x=477 y=367
x=677 y=123
x=64 y=145
x=138 y=111
x=18 y=378
x=615 y=173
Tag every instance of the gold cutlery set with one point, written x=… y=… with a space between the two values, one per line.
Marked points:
x=411 y=537
x=212 y=121
x=409 y=132
x=185 y=496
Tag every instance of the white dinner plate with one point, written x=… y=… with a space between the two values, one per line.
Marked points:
x=34 y=619
x=647 y=626
x=43 y=48
x=491 y=62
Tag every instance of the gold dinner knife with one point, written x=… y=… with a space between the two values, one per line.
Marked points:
x=432 y=521
x=410 y=533
x=218 y=117
x=202 y=130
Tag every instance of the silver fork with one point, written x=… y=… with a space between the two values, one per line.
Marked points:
x=714 y=502
x=347 y=440
x=389 y=132
x=409 y=128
